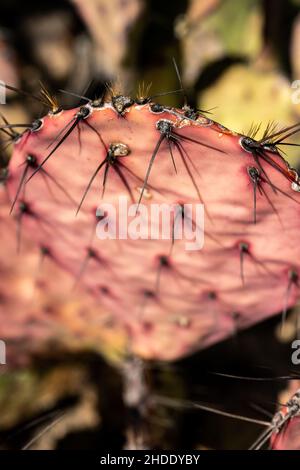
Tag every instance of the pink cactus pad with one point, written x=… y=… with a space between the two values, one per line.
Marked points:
x=38 y=307
x=170 y=300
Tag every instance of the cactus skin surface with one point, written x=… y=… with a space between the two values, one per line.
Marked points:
x=245 y=272
x=39 y=310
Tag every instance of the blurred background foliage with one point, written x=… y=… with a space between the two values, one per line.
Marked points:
x=236 y=60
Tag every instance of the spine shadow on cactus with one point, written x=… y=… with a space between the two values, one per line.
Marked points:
x=31 y=162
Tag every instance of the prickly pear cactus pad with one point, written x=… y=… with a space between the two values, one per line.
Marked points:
x=70 y=165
